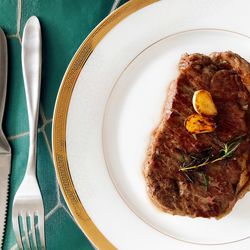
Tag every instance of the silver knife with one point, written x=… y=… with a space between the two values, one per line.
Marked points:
x=5 y=150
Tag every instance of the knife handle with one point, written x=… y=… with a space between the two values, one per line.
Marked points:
x=4 y=145
x=31 y=66
x=3 y=73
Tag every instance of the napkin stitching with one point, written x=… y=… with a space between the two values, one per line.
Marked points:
x=115 y=5
x=18 y=23
x=19 y=17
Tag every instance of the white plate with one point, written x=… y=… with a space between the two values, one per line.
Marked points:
x=116 y=103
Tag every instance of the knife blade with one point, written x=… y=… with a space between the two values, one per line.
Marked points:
x=5 y=150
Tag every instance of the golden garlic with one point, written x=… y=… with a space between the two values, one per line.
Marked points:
x=203 y=103
x=197 y=124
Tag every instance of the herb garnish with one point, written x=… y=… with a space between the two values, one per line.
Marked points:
x=206 y=157
x=188 y=177
x=205 y=181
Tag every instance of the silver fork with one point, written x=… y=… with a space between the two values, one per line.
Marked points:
x=28 y=203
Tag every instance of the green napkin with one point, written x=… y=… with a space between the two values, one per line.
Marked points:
x=65 y=24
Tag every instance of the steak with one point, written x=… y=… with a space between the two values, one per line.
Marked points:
x=212 y=190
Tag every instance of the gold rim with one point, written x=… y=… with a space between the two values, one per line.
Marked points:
x=60 y=120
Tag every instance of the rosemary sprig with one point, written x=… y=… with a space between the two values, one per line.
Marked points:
x=188 y=177
x=205 y=181
x=226 y=151
x=182 y=158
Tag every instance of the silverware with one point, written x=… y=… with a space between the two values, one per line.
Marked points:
x=28 y=202
x=5 y=151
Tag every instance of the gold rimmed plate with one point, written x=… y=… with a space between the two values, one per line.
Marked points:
x=109 y=102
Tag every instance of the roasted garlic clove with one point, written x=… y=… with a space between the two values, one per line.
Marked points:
x=203 y=103
x=198 y=124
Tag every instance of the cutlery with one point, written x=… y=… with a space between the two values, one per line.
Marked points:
x=28 y=203
x=5 y=151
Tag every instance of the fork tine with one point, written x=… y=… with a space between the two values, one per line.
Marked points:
x=41 y=230
x=25 y=229
x=16 y=229
x=33 y=230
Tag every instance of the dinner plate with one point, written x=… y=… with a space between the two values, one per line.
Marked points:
x=109 y=102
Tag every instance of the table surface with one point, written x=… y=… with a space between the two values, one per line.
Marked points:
x=65 y=24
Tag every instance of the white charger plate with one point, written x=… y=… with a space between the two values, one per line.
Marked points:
x=109 y=102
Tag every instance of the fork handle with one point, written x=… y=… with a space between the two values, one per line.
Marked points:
x=31 y=66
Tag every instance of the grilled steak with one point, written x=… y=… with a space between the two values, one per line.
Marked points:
x=211 y=190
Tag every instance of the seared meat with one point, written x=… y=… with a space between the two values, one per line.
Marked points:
x=210 y=191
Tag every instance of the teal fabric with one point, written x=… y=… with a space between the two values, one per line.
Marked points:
x=65 y=24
